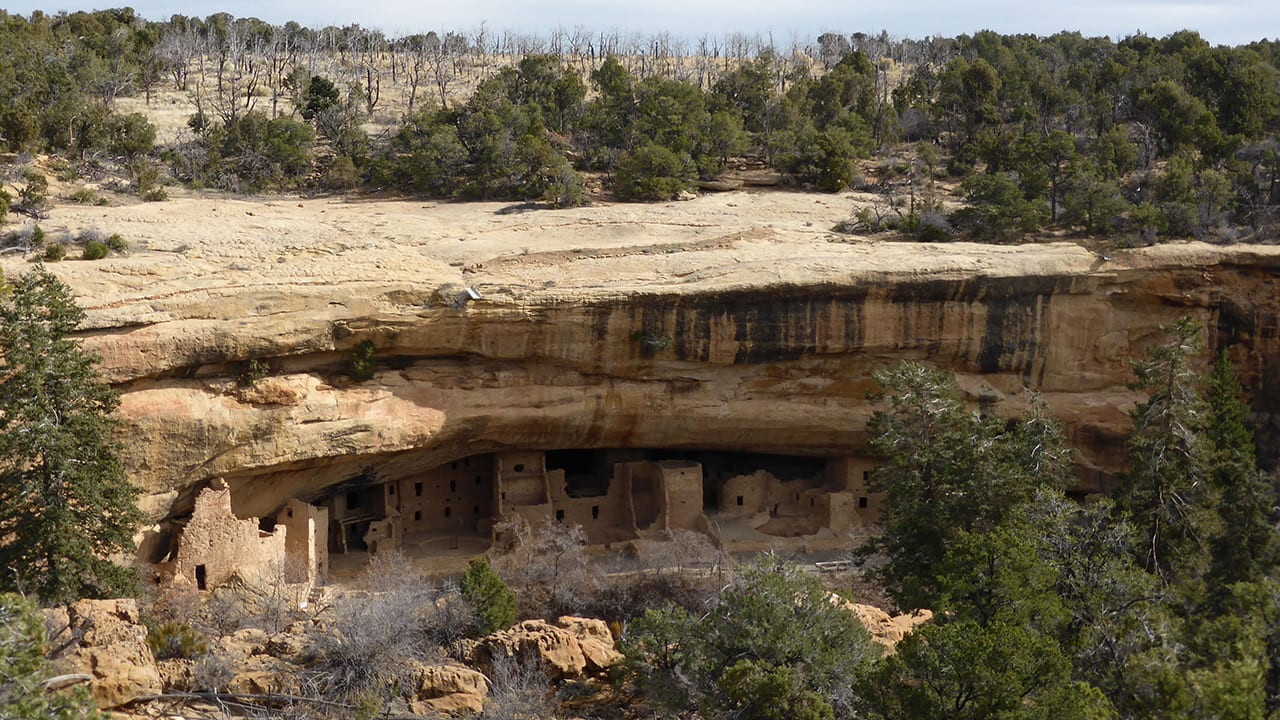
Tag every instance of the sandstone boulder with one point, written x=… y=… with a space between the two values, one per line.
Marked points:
x=885 y=629
x=557 y=648
x=105 y=640
x=448 y=690
x=596 y=641
x=260 y=674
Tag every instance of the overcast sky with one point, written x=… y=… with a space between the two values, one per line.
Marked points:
x=1228 y=22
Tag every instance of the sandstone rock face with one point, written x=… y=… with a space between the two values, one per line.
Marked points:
x=885 y=629
x=597 y=643
x=452 y=690
x=569 y=649
x=733 y=321
x=109 y=644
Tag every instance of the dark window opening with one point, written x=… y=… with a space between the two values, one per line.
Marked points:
x=202 y=578
x=466 y=462
x=477 y=481
x=475 y=509
x=504 y=496
x=288 y=513
x=595 y=512
x=453 y=466
x=519 y=467
x=391 y=489
x=417 y=489
x=812 y=502
x=739 y=501
x=353 y=500
x=417 y=514
x=559 y=516
x=862 y=502
x=448 y=511
x=453 y=485
x=866 y=475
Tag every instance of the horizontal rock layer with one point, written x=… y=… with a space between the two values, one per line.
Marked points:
x=753 y=333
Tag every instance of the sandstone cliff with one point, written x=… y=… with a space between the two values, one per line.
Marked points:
x=733 y=322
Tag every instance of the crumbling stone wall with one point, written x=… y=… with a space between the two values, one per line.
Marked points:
x=306 y=543
x=215 y=544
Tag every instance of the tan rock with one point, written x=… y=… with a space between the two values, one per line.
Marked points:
x=557 y=648
x=261 y=674
x=111 y=645
x=597 y=643
x=449 y=690
x=883 y=628
x=775 y=331
x=176 y=674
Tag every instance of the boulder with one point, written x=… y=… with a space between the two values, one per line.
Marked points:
x=557 y=648
x=885 y=629
x=105 y=640
x=596 y=641
x=448 y=690
x=260 y=674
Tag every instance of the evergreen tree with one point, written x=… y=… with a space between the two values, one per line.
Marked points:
x=1166 y=491
x=949 y=471
x=1249 y=547
x=65 y=505
x=492 y=602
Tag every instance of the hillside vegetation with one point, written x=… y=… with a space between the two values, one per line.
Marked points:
x=988 y=136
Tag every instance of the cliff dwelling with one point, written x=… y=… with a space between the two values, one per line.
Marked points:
x=743 y=501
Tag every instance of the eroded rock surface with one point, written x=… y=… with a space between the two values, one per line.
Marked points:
x=104 y=639
x=733 y=321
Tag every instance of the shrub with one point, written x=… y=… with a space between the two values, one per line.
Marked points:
x=341 y=175
x=96 y=250
x=155 y=194
x=492 y=601
x=63 y=170
x=54 y=251
x=362 y=365
x=175 y=640
x=84 y=196
x=773 y=640
x=36 y=192
x=5 y=199
x=652 y=172
x=254 y=372
x=117 y=244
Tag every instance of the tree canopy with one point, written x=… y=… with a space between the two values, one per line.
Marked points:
x=65 y=506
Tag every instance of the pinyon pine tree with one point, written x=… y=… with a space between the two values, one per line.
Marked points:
x=65 y=505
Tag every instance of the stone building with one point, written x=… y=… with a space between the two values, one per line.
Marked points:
x=213 y=544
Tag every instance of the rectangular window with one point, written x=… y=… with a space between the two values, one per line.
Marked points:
x=453 y=486
x=475 y=509
x=417 y=514
x=391 y=489
x=417 y=489
x=559 y=516
x=866 y=475
x=448 y=511
x=202 y=578
x=739 y=501
x=519 y=467
x=862 y=502
x=595 y=512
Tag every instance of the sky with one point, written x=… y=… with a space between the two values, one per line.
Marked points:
x=1230 y=22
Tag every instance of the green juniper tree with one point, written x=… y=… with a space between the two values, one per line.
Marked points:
x=1166 y=491
x=65 y=505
